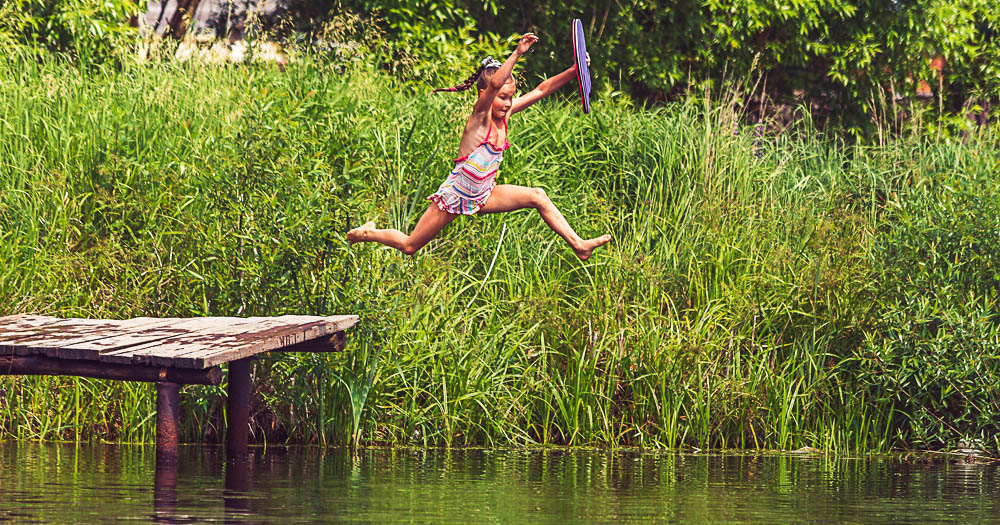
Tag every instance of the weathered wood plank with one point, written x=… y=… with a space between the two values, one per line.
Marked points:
x=328 y=343
x=234 y=339
x=255 y=343
x=11 y=319
x=174 y=342
x=14 y=327
x=62 y=329
x=208 y=328
x=236 y=342
x=148 y=334
x=265 y=340
x=16 y=320
x=59 y=339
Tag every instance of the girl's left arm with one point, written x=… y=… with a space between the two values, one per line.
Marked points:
x=546 y=88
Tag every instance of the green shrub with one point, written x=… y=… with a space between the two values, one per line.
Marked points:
x=933 y=351
x=841 y=55
x=91 y=30
x=426 y=54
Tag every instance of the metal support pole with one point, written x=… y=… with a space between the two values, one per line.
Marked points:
x=238 y=410
x=168 y=405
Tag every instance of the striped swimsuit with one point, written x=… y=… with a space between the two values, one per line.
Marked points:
x=468 y=186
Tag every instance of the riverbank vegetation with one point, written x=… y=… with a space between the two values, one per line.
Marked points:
x=763 y=290
x=772 y=282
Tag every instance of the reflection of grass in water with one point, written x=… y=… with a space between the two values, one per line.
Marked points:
x=720 y=316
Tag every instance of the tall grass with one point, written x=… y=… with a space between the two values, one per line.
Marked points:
x=725 y=313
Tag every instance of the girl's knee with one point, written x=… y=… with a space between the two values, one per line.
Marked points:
x=409 y=247
x=539 y=197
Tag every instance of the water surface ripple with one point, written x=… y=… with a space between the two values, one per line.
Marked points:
x=50 y=483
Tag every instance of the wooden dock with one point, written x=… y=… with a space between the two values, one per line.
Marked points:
x=168 y=351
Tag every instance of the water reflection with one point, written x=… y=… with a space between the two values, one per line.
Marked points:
x=164 y=491
x=68 y=483
x=235 y=497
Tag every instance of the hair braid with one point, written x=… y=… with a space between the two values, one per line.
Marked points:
x=464 y=85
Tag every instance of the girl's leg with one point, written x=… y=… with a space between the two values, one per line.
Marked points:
x=508 y=197
x=430 y=223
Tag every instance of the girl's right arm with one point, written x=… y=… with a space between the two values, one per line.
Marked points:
x=500 y=77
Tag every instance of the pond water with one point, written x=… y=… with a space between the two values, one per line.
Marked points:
x=55 y=483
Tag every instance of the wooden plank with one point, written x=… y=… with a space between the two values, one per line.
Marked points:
x=87 y=338
x=328 y=343
x=209 y=328
x=146 y=334
x=13 y=321
x=61 y=329
x=236 y=342
x=239 y=341
x=189 y=342
x=53 y=334
x=339 y=322
x=302 y=330
x=57 y=340
x=263 y=341
x=292 y=336
x=14 y=327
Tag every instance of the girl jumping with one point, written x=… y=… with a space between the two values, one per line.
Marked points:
x=471 y=187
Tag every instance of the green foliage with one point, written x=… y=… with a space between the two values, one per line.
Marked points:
x=421 y=53
x=933 y=351
x=838 y=54
x=92 y=30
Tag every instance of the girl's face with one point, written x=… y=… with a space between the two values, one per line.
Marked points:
x=501 y=104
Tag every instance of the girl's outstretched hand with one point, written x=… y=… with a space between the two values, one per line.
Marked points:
x=575 y=67
x=524 y=44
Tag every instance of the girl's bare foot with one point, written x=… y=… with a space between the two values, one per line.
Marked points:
x=360 y=234
x=587 y=247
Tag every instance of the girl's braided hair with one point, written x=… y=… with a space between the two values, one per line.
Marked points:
x=486 y=69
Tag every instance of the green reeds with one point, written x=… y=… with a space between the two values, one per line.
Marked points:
x=724 y=313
